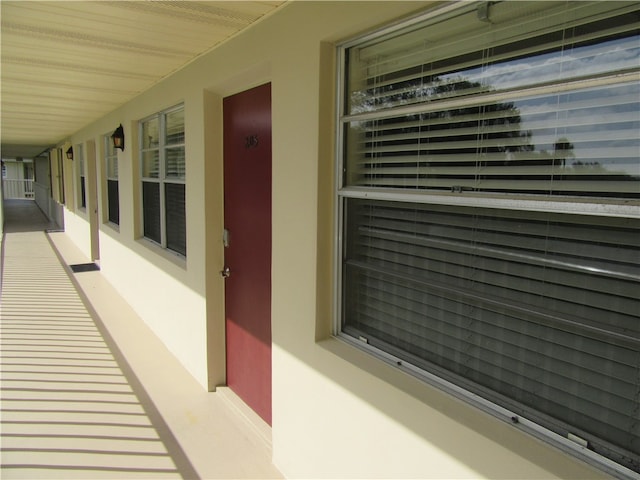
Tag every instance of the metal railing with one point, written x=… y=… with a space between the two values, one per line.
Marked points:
x=17 y=188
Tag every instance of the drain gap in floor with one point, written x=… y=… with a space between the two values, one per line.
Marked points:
x=84 y=267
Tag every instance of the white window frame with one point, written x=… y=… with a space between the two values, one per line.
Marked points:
x=564 y=205
x=162 y=179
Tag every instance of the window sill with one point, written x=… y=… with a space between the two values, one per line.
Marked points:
x=176 y=259
x=114 y=227
x=437 y=393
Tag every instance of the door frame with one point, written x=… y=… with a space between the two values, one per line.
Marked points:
x=248 y=144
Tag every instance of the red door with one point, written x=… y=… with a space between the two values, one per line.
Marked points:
x=247 y=217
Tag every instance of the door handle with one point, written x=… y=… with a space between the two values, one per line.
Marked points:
x=226 y=272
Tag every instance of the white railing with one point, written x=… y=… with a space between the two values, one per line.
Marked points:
x=17 y=188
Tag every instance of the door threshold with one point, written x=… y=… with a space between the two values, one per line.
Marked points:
x=262 y=428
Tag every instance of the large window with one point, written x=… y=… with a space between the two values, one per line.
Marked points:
x=488 y=200
x=111 y=165
x=163 y=179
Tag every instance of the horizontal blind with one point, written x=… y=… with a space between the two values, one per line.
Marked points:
x=150 y=147
x=151 y=210
x=79 y=158
x=113 y=195
x=175 y=217
x=112 y=167
x=175 y=163
x=174 y=126
x=111 y=158
x=536 y=312
x=83 y=192
x=538 y=139
x=113 y=201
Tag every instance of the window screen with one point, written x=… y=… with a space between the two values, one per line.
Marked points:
x=461 y=138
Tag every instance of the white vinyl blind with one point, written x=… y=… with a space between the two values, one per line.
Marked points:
x=548 y=106
x=537 y=312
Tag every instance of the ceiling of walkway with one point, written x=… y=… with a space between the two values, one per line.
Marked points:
x=67 y=63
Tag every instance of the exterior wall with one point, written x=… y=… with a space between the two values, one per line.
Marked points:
x=68 y=182
x=41 y=189
x=337 y=412
x=76 y=221
x=56 y=175
x=77 y=227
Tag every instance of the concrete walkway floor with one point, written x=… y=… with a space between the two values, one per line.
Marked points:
x=87 y=389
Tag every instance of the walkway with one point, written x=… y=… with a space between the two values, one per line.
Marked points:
x=84 y=390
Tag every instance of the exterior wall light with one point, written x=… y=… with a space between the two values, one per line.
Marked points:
x=118 y=138
x=70 y=153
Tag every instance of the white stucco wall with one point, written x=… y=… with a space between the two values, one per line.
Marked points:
x=76 y=226
x=174 y=311
x=337 y=412
x=41 y=190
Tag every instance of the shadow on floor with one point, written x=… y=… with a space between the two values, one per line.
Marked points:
x=89 y=391
x=70 y=405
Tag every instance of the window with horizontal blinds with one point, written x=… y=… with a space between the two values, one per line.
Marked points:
x=113 y=196
x=534 y=311
x=538 y=113
x=79 y=158
x=163 y=165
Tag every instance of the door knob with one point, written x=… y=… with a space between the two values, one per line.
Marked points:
x=226 y=272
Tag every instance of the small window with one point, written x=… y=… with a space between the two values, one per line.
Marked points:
x=162 y=164
x=111 y=165
x=489 y=206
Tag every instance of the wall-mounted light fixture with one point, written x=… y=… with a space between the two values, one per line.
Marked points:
x=118 y=138
x=70 y=153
